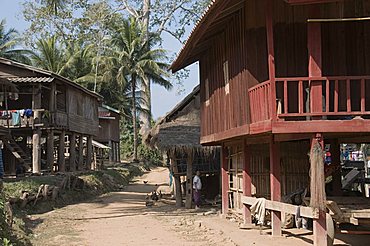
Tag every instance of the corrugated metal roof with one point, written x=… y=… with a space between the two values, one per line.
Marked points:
x=31 y=79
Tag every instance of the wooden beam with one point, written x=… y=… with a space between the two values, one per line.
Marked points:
x=89 y=161
x=72 y=152
x=50 y=150
x=36 y=151
x=327 y=126
x=247 y=182
x=189 y=179
x=306 y=212
x=319 y=225
x=80 y=152
x=275 y=185
x=271 y=53
x=224 y=181
x=61 y=156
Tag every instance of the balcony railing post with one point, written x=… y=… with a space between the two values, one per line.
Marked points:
x=273 y=112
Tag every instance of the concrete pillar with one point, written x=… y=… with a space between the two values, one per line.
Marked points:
x=36 y=151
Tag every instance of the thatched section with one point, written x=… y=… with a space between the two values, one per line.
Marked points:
x=179 y=130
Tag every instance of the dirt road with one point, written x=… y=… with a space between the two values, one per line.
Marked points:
x=121 y=218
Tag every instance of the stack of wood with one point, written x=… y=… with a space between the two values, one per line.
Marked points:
x=48 y=192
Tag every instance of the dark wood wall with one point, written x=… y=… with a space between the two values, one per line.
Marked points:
x=109 y=129
x=82 y=112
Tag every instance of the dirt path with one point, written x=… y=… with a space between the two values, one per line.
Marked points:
x=121 y=218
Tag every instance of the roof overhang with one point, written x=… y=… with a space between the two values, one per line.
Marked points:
x=216 y=10
x=300 y=2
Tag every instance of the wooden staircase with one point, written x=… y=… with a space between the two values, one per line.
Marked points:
x=18 y=152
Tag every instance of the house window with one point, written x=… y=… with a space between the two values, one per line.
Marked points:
x=226 y=76
x=207 y=91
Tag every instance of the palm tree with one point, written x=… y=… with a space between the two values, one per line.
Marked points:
x=132 y=61
x=49 y=55
x=8 y=44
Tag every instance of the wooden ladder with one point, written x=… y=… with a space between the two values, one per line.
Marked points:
x=18 y=152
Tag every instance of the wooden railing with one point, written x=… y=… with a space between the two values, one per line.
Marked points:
x=311 y=98
x=260 y=102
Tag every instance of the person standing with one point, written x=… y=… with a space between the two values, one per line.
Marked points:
x=197 y=186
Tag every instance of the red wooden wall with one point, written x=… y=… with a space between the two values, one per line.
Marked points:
x=241 y=40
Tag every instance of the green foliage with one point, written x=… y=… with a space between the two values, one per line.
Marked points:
x=151 y=155
x=8 y=42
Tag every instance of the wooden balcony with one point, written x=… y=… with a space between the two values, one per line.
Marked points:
x=313 y=101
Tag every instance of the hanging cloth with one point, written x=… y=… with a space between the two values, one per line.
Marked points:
x=16 y=118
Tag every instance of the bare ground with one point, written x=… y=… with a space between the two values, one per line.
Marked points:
x=121 y=218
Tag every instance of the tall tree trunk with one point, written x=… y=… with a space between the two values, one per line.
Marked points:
x=145 y=87
x=133 y=83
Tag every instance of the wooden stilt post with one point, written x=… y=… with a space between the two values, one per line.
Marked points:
x=50 y=150
x=335 y=160
x=178 y=193
x=275 y=177
x=225 y=181
x=319 y=225
x=80 y=152
x=111 y=151
x=72 y=152
x=177 y=180
x=89 y=162
x=36 y=151
x=189 y=179
x=119 y=151
x=61 y=156
x=247 y=183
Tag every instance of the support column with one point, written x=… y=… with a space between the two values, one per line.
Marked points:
x=337 y=175
x=36 y=151
x=271 y=53
x=50 y=150
x=89 y=162
x=72 y=152
x=119 y=151
x=111 y=151
x=61 y=156
x=225 y=181
x=80 y=152
x=189 y=179
x=178 y=193
x=275 y=177
x=315 y=61
x=247 y=183
x=318 y=186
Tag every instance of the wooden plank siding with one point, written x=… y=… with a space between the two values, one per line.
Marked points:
x=240 y=39
x=294 y=164
x=228 y=106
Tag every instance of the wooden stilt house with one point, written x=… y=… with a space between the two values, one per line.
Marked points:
x=51 y=121
x=279 y=79
x=178 y=136
x=109 y=132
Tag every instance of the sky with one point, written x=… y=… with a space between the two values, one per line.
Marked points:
x=162 y=100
